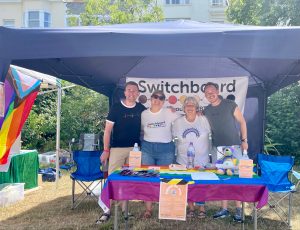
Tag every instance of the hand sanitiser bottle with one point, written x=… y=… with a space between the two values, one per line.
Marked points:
x=135 y=147
x=245 y=155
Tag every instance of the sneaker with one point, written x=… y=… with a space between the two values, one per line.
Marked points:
x=238 y=215
x=103 y=219
x=222 y=213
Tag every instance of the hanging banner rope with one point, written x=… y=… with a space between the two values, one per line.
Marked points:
x=2 y=99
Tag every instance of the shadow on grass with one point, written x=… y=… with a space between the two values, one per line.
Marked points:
x=57 y=214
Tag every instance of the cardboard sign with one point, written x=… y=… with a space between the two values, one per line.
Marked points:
x=245 y=168
x=172 y=201
x=2 y=100
x=135 y=159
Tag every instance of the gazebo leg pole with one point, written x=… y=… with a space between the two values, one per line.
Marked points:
x=116 y=216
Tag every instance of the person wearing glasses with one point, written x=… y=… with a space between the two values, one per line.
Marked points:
x=157 y=147
x=193 y=128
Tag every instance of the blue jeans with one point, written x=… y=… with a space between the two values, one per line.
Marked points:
x=154 y=153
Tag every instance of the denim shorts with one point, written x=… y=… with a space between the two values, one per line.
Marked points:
x=154 y=153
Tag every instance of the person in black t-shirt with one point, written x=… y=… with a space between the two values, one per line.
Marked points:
x=123 y=124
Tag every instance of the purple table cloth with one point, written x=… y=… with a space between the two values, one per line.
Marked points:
x=119 y=187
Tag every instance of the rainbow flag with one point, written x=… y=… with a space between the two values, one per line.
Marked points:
x=20 y=93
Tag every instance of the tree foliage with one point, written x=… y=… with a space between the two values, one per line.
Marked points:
x=120 y=11
x=282 y=126
x=82 y=111
x=283 y=119
x=40 y=128
x=264 y=12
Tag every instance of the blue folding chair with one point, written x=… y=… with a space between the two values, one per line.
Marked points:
x=88 y=171
x=275 y=170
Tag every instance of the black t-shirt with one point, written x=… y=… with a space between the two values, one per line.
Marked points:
x=127 y=124
x=223 y=124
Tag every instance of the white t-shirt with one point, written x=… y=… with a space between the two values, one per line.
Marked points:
x=197 y=132
x=157 y=126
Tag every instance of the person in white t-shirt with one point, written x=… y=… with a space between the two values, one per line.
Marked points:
x=157 y=147
x=196 y=129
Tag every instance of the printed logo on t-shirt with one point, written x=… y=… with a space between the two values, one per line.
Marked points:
x=131 y=115
x=156 y=124
x=191 y=130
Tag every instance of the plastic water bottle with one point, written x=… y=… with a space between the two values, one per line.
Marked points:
x=190 y=156
x=245 y=155
x=135 y=147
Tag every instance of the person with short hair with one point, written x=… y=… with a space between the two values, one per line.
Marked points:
x=123 y=124
x=223 y=115
x=196 y=129
x=157 y=147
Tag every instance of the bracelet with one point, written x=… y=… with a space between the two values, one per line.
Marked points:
x=106 y=150
x=244 y=140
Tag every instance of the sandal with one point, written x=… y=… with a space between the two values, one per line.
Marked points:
x=202 y=214
x=190 y=214
x=147 y=214
x=104 y=218
x=129 y=215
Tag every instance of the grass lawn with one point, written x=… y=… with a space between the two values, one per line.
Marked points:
x=50 y=208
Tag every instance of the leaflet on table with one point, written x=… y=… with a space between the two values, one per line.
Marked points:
x=246 y=168
x=204 y=176
x=172 y=201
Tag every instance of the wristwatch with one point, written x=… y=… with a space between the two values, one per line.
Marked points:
x=244 y=140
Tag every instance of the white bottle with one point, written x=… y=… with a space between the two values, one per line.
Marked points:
x=190 y=156
x=245 y=155
x=135 y=147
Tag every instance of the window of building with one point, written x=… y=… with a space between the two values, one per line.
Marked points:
x=33 y=19
x=47 y=19
x=217 y=2
x=10 y=23
x=37 y=19
x=178 y=2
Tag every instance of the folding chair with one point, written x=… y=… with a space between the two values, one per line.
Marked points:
x=88 y=171
x=275 y=170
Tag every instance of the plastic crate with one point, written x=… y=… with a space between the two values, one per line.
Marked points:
x=11 y=193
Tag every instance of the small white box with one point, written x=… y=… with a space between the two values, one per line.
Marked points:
x=11 y=193
x=48 y=157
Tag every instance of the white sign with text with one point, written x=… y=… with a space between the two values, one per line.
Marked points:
x=176 y=90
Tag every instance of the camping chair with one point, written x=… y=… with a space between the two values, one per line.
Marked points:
x=275 y=171
x=88 y=171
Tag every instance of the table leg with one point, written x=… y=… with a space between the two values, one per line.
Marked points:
x=255 y=217
x=126 y=215
x=290 y=210
x=243 y=215
x=116 y=216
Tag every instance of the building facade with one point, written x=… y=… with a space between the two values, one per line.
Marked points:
x=196 y=10
x=61 y=13
x=32 y=13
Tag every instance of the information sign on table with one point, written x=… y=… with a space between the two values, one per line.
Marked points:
x=135 y=159
x=172 y=201
x=246 y=168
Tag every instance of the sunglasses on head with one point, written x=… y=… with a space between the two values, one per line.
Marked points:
x=161 y=98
